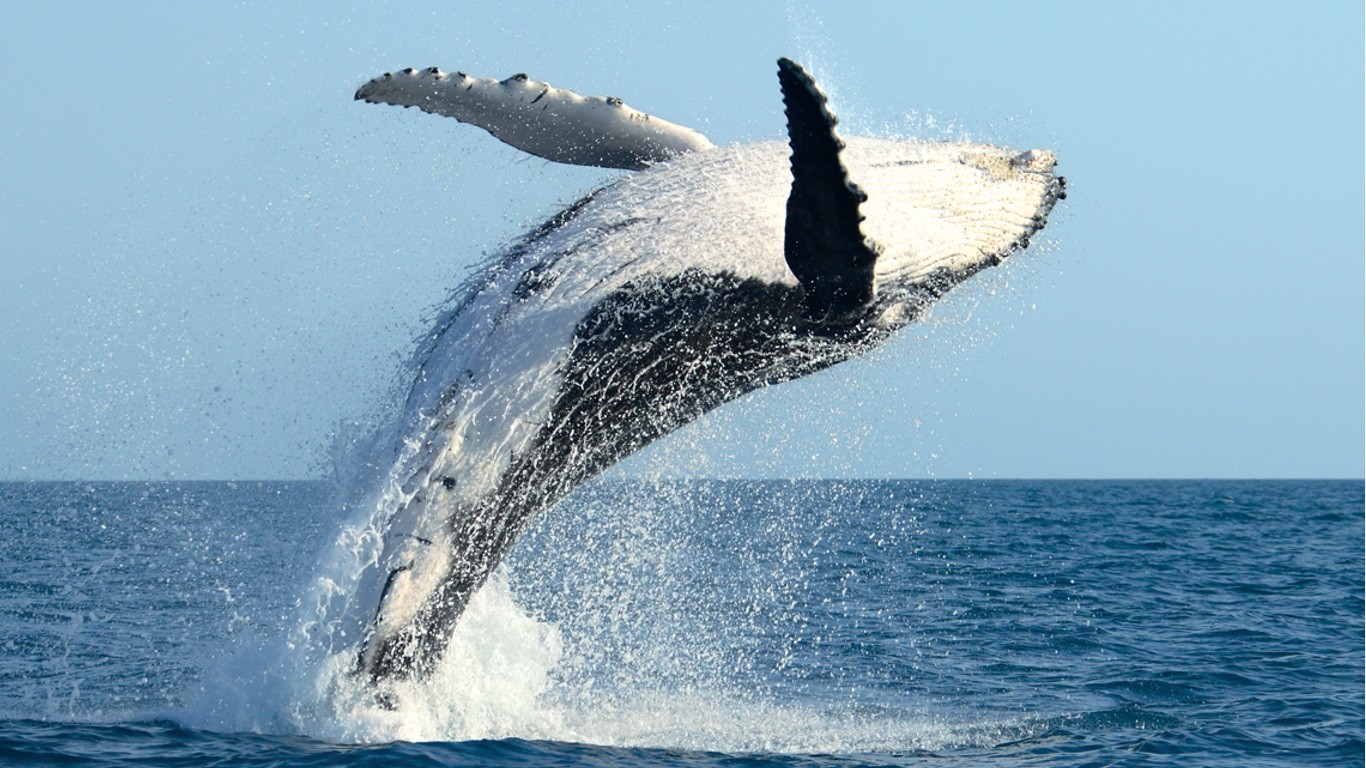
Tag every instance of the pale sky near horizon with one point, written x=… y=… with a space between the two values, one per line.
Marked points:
x=214 y=262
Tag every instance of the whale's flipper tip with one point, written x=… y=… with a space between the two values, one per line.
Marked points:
x=823 y=243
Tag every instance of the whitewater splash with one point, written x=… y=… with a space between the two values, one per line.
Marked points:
x=669 y=681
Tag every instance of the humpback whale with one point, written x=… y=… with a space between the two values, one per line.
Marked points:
x=706 y=273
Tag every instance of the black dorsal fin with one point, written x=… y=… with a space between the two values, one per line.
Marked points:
x=823 y=242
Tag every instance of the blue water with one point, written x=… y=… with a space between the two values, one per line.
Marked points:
x=807 y=623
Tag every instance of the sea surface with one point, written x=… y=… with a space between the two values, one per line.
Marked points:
x=700 y=623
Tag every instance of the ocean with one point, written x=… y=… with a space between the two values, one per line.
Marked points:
x=700 y=623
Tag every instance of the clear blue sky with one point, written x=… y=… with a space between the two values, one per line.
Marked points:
x=213 y=259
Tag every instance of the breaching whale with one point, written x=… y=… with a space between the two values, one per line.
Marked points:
x=705 y=274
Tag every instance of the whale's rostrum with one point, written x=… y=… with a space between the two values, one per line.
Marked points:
x=707 y=274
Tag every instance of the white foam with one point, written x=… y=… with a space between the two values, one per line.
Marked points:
x=503 y=676
x=488 y=686
x=508 y=674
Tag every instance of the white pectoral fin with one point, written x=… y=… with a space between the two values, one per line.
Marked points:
x=535 y=117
